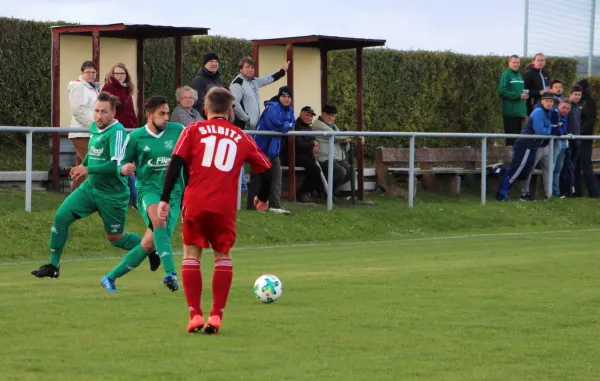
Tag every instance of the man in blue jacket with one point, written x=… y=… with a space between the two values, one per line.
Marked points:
x=278 y=116
x=525 y=149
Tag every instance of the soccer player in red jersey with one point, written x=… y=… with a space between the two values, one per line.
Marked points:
x=213 y=151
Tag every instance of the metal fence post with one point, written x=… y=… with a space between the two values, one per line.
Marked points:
x=239 y=200
x=330 y=175
x=28 y=170
x=483 y=170
x=550 y=170
x=411 y=173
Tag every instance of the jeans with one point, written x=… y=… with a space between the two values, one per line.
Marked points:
x=560 y=151
x=244 y=185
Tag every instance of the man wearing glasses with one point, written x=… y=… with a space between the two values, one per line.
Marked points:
x=82 y=96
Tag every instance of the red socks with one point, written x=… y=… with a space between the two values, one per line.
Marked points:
x=221 y=284
x=192 y=285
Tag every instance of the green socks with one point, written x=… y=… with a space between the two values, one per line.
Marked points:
x=128 y=241
x=162 y=242
x=129 y=262
x=58 y=238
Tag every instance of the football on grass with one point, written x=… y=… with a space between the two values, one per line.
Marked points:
x=268 y=288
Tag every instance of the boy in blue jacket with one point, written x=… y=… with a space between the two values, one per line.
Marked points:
x=525 y=150
x=278 y=116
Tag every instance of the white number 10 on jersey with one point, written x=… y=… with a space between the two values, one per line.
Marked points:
x=225 y=155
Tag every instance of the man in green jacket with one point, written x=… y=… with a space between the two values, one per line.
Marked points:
x=341 y=166
x=511 y=89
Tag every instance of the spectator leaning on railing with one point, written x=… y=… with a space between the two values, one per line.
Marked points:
x=511 y=88
x=83 y=93
x=567 y=182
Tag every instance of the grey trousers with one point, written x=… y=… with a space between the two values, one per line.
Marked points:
x=543 y=158
x=275 y=195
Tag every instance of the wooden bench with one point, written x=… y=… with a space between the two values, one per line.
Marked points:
x=453 y=163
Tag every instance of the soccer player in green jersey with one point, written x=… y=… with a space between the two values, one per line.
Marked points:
x=104 y=191
x=148 y=153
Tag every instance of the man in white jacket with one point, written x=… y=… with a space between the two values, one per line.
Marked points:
x=82 y=96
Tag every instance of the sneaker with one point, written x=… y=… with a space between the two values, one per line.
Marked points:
x=196 y=324
x=500 y=197
x=213 y=325
x=170 y=281
x=47 y=271
x=154 y=260
x=108 y=284
x=526 y=197
x=279 y=211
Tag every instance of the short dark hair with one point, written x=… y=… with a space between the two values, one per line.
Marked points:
x=576 y=89
x=106 y=97
x=153 y=103
x=554 y=82
x=87 y=64
x=514 y=56
x=246 y=60
x=218 y=100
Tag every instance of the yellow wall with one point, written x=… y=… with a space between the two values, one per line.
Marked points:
x=307 y=75
x=76 y=49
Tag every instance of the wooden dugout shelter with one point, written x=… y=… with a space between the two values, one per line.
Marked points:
x=308 y=59
x=105 y=45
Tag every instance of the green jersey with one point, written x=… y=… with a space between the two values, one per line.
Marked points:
x=106 y=146
x=151 y=154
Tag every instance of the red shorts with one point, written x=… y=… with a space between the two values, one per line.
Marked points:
x=208 y=229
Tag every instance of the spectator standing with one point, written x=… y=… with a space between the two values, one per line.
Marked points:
x=511 y=88
x=83 y=93
x=537 y=81
x=567 y=182
x=184 y=113
x=119 y=84
x=584 y=166
x=278 y=116
x=207 y=77
x=247 y=100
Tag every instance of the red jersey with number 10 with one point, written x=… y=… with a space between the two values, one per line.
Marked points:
x=214 y=151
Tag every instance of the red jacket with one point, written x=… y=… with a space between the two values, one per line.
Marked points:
x=125 y=111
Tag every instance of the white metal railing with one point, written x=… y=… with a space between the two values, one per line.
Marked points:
x=29 y=131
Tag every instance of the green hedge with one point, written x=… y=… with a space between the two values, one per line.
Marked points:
x=404 y=91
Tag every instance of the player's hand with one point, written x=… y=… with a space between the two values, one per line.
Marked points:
x=163 y=210
x=128 y=169
x=261 y=206
x=79 y=172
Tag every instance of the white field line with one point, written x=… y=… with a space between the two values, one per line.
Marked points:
x=338 y=243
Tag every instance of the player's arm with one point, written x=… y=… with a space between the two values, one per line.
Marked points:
x=126 y=166
x=117 y=142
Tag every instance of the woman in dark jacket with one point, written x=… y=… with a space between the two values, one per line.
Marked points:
x=118 y=83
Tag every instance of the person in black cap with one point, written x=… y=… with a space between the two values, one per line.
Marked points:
x=278 y=116
x=207 y=77
x=305 y=148
x=341 y=166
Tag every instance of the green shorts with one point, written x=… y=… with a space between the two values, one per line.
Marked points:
x=147 y=198
x=112 y=207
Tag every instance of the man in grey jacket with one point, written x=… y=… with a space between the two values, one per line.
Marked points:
x=341 y=167
x=245 y=90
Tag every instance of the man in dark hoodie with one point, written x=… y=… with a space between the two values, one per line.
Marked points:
x=587 y=105
x=537 y=81
x=206 y=78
